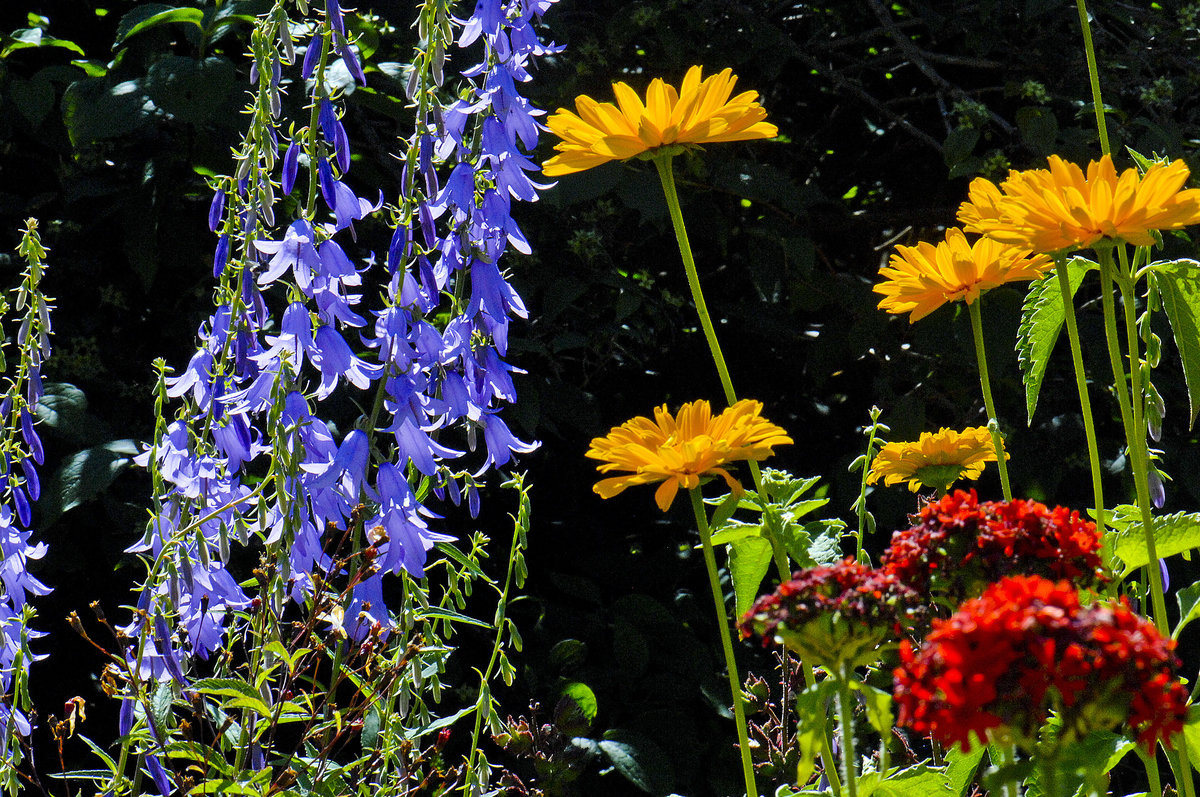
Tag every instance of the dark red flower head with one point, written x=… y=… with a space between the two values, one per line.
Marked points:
x=1027 y=646
x=960 y=545
x=836 y=613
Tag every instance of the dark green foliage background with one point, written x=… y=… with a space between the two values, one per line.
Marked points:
x=885 y=113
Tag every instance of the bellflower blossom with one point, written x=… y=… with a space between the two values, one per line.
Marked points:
x=253 y=387
x=19 y=487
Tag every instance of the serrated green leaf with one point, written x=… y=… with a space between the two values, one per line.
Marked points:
x=153 y=14
x=749 y=559
x=1173 y=534
x=917 y=781
x=1178 y=283
x=961 y=766
x=1041 y=321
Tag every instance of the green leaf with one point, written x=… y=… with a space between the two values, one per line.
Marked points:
x=749 y=559
x=1041 y=321
x=1179 y=284
x=370 y=730
x=641 y=761
x=812 y=717
x=190 y=90
x=961 y=767
x=84 y=475
x=1189 y=607
x=101 y=108
x=959 y=145
x=36 y=37
x=879 y=707
x=583 y=697
x=1173 y=534
x=153 y=14
x=1191 y=734
x=917 y=781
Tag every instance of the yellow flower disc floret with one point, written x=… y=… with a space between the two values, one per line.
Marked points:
x=699 y=112
x=919 y=279
x=678 y=451
x=1061 y=209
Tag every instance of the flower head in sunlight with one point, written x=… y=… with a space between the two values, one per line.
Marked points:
x=1061 y=208
x=678 y=451
x=836 y=614
x=921 y=278
x=958 y=545
x=936 y=460
x=698 y=112
x=1027 y=648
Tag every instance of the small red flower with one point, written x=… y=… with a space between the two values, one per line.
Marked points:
x=836 y=613
x=990 y=540
x=1027 y=646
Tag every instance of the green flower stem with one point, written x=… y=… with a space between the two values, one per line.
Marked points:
x=1136 y=443
x=667 y=176
x=1093 y=74
x=846 y=709
x=985 y=382
x=735 y=681
x=1085 y=403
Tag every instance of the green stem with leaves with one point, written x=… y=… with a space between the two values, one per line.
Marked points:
x=735 y=681
x=988 y=403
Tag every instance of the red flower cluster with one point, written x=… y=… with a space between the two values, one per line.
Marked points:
x=987 y=541
x=836 y=613
x=1027 y=646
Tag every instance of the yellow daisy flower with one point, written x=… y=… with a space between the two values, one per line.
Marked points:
x=678 y=451
x=936 y=460
x=922 y=278
x=1061 y=209
x=699 y=112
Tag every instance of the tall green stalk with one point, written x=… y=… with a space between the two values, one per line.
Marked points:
x=735 y=681
x=667 y=176
x=1085 y=402
x=990 y=405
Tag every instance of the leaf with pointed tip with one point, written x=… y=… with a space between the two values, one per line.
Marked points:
x=1178 y=282
x=1041 y=321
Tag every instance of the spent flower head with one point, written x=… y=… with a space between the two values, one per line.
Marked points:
x=1026 y=648
x=936 y=460
x=679 y=450
x=1061 y=209
x=838 y=614
x=957 y=545
x=698 y=112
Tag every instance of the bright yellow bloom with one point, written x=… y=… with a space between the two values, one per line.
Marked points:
x=936 y=460
x=700 y=112
x=678 y=451
x=1060 y=209
x=922 y=278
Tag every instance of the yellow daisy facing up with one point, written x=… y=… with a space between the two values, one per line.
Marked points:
x=699 y=112
x=936 y=460
x=920 y=279
x=678 y=450
x=1061 y=209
